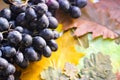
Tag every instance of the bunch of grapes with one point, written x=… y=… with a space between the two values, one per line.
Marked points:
x=27 y=31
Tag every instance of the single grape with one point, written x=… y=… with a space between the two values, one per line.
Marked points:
x=48 y=14
x=30 y=14
x=14 y=37
x=53 y=23
x=56 y=34
x=20 y=20
x=1 y=36
x=18 y=9
x=11 y=77
x=12 y=24
x=75 y=12
x=47 y=51
x=39 y=57
x=39 y=42
x=4 y=25
x=0 y=53
x=8 y=51
x=10 y=69
x=3 y=63
x=26 y=40
x=64 y=5
x=53 y=4
x=23 y=64
x=41 y=8
x=37 y=1
x=33 y=25
x=72 y=2
x=81 y=3
x=6 y=13
x=26 y=31
x=53 y=45
x=43 y=22
x=19 y=28
x=19 y=57
x=31 y=54
x=47 y=34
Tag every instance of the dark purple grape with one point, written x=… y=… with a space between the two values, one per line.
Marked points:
x=10 y=69
x=48 y=14
x=81 y=3
x=39 y=56
x=19 y=29
x=12 y=24
x=31 y=54
x=11 y=77
x=33 y=25
x=39 y=42
x=0 y=53
x=64 y=5
x=53 y=45
x=75 y=12
x=23 y=64
x=53 y=23
x=37 y=1
x=1 y=36
x=19 y=57
x=8 y=51
x=72 y=2
x=20 y=20
x=41 y=9
x=56 y=34
x=53 y=4
x=26 y=40
x=47 y=51
x=3 y=63
x=14 y=37
x=30 y=14
x=43 y=22
x=47 y=34
x=6 y=13
x=17 y=9
x=26 y=31
x=4 y=25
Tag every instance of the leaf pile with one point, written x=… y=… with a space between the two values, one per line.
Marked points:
x=101 y=19
x=70 y=73
x=97 y=67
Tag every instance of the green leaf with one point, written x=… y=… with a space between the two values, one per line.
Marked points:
x=98 y=67
x=105 y=46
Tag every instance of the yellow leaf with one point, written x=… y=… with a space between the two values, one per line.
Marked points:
x=65 y=53
x=59 y=28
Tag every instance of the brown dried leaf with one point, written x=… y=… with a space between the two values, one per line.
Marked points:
x=100 y=18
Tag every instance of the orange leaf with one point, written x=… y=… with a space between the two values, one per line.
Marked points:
x=65 y=53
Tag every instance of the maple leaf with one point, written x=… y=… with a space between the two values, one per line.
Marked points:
x=65 y=53
x=71 y=71
x=97 y=18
